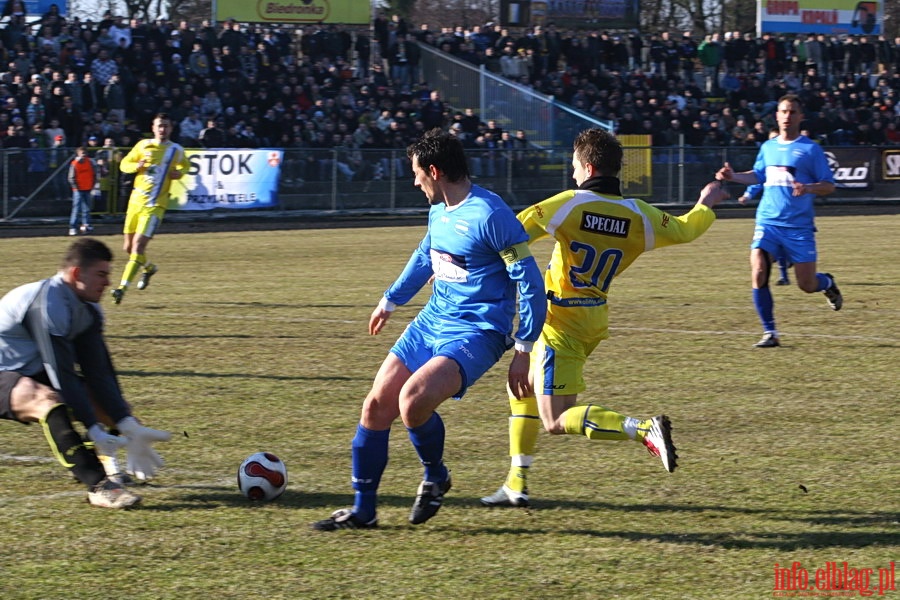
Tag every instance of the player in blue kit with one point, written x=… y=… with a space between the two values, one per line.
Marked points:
x=477 y=253
x=793 y=170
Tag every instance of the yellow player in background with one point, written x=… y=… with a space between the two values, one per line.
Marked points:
x=156 y=162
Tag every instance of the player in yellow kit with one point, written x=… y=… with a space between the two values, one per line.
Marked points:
x=157 y=162
x=598 y=235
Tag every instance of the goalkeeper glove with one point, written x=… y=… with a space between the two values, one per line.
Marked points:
x=143 y=461
x=105 y=443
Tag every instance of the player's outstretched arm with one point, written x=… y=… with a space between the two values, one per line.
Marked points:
x=726 y=173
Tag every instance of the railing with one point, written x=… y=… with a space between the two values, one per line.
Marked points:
x=338 y=179
x=547 y=121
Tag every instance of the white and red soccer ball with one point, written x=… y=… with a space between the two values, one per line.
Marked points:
x=262 y=477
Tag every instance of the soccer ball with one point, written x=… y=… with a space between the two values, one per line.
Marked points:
x=262 y=476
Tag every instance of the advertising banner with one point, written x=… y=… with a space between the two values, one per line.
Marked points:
x=830 y=17
x=852 y=167
x=228 y=178
x=351 y=12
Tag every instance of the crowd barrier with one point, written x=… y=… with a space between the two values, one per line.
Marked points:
x=348 y=179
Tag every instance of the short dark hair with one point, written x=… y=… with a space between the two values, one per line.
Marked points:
x=793 y=98
x=444 y=151
x=85 y=252
x=601 y=149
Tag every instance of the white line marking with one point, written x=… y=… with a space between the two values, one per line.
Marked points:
x=869 y=338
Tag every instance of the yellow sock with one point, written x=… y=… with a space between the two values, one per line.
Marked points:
x=134 y=264
x=598 y=423
x=524 y=423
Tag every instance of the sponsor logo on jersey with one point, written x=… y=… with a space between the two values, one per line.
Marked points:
x=448 y=267
x=605 y=224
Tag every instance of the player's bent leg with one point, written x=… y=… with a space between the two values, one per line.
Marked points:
x=69 y=448
x=807 y=278
x=598 y=423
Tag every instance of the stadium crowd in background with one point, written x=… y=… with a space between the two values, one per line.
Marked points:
x=359 y=87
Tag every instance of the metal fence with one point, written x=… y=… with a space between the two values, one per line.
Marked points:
x=381 y=180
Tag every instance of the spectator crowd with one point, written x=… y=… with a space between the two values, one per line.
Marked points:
x=67 y=82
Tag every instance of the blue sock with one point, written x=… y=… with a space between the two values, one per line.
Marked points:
x=428 y=440
x=824 y=282
x=370 y=457
x=765 y=307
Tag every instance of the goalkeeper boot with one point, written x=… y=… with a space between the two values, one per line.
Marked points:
x=109 y=494
x=506 y=497
x=833 y=295
x=149 y=271
x=344 y=518
x=117 y=295
x=429 y=499
x=659 y=442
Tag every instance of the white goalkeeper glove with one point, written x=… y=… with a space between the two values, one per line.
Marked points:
x=105 y=443
x=143 y=460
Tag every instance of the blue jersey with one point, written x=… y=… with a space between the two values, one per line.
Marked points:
x=477 y=252
x=778 y=165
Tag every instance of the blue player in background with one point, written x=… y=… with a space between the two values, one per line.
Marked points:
x=477 y=253
x=793 y=170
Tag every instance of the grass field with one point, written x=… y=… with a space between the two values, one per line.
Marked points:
x=251 y=341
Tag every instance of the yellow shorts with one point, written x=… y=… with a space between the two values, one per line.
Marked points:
x=143 y=220
x=557 y=362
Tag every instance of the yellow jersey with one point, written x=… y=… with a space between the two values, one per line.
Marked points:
x=151 y=186
x=598 y=236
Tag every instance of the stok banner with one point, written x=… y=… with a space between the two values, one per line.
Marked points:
x=228 y=178
x=351 y=12
x=830 y=17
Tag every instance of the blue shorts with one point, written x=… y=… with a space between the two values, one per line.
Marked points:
x=797 y=244
x=474 y=350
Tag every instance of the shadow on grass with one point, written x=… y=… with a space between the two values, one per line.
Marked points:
x=177 y=374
